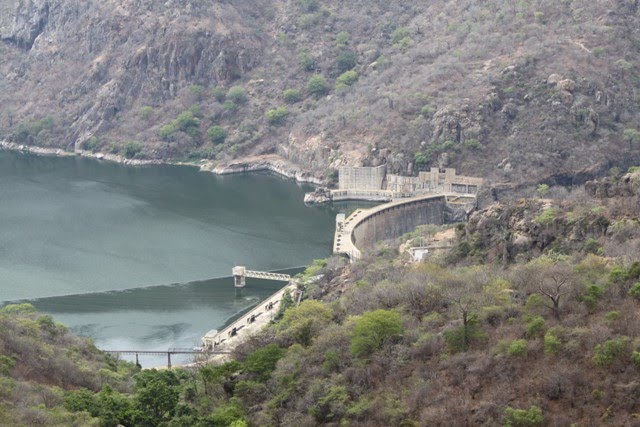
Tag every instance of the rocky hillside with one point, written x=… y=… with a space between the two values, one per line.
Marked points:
x=513 y=91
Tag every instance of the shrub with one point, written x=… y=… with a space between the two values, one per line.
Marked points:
x=421 y=160
x=523 y=417
x=372 y=329
x=399 y=34
x=131 y=148
x=91 y=144
x=609 y=351
x=305 y=321
x=347 y=78
x=535 y=326
x=543 y=189
x=591 y=296
x=551 y=342
x=308 y=20
x=145 y=112
x=291 y=96
x=458 y=339
x=167 y=131
x=308 y=5
x=6 y=364
x=635 y=291
x=342 y=38
x=196 y=91
x=187 y=122
x=237 y=95
x=218 y=93
x=346 y=60
x=230 y=106
x=277 y=116
x=472 y=144
x=317 y=85
x=35 y=131
x=217 y=134
x=547 y=217
x=612 y=316
x=517 y=348
x=635 y=358
x=306 y=61
x=332 y=405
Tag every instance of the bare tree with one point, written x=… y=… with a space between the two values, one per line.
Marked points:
x=555 y=283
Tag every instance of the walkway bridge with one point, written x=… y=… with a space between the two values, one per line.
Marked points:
x=241 y=273
x=168 y=352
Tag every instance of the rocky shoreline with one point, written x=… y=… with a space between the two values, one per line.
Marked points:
x=270 y=163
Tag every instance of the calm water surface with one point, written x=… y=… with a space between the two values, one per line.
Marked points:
x=126 y=255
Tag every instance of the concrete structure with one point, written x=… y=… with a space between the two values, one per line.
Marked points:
x=373 y=183
x=259 y=315
x=365 y=178
x=364 y=227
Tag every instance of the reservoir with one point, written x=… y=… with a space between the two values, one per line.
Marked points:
x=140 y=257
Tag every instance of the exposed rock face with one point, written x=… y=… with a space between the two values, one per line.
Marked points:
x=98 y=59
x=626 y=186
x=552 y=98
x=21 y=22
x=320 y=195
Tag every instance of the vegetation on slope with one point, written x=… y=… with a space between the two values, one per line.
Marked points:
x=507 y=90
x=532 y=318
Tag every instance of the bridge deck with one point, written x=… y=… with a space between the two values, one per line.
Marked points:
x=267 y=275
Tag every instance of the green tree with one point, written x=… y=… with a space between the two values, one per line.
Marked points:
x=373 y=329
x=317 y=85
x=217 y=134
x=157 y=393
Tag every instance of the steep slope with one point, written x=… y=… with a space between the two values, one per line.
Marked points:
x=511 y=91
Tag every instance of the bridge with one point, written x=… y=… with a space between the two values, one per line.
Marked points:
x=241 y=273
x=364 y=227
x=168 y=352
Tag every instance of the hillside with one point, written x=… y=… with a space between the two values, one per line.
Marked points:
x=513 y=91
x=531 y=318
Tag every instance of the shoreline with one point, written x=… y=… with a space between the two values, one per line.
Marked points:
x=265 y=163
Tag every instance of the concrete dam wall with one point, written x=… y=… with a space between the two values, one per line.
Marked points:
x=395 y=219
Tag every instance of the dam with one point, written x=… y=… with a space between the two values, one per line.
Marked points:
x=364 y=227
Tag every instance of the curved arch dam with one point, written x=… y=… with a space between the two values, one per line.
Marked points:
x=364 y=227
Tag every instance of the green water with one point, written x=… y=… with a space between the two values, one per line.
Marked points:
x=126 y=255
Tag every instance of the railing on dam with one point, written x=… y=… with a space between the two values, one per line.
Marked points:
x=344 y=239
